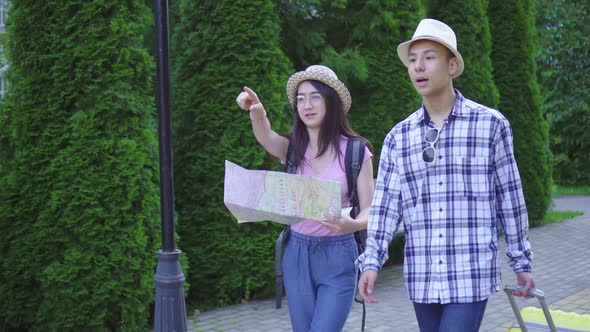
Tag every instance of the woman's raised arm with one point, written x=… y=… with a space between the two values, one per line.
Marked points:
x=272 y=142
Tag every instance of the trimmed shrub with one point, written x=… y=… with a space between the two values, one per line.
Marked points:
x=470 y=22
x=79 y=212
x=219 y=47
x=513 y=51
x=386 y=95
x=564 y=32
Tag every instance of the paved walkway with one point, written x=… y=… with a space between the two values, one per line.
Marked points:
x=561 y=269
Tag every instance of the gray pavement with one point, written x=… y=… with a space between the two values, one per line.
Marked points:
x=561 y=269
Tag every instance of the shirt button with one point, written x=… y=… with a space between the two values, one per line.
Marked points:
x=440 y=235
x=440 y=210
x=439 y=157
x=440 y=183
x=440 y=262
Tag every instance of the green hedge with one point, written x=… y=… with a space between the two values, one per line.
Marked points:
x=564 y=33
x=79 y=214
x=470 y=22
x=218 y=48
x=514 y=40
x=386 y=96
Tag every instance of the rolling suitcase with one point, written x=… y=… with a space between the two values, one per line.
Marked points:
x=531 y=319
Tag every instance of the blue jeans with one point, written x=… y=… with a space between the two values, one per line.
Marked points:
x=320 y=281
x=450 y=317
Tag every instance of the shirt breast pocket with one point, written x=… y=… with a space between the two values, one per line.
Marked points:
x=473 y=177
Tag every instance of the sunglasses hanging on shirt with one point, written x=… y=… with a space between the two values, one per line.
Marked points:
x=429 y=153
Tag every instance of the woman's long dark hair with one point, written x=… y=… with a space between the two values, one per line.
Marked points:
x=334 y=125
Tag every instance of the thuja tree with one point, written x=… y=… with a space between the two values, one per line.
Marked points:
x=513 y=58
x=386 y=95
x=79 y=214
x=564 y=64
x=219 y=47
x=470 y=22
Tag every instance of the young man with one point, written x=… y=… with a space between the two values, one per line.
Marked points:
x=448 y=173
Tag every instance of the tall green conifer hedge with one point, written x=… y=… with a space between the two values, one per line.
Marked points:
x=513 y=52
x=386 y=96
x=564 y=31
x=470 y=22
x=79 y=210
x=220 y=46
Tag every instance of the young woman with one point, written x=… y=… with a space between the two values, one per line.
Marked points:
x=318 y=261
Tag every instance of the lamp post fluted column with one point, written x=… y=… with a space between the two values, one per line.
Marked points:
x=170 y=309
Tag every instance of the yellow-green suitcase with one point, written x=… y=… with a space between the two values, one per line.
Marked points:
x=531 y=319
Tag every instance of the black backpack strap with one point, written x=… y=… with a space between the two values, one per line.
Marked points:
x=353 y=161
x=290 y=167
x=281 y=241
x=355 y=153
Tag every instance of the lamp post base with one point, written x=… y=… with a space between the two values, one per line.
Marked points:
x=170 y=311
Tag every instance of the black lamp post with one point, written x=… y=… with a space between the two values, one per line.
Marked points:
x=170 y=311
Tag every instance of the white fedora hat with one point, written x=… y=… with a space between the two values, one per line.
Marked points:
x=436 y=31
x=324 y=75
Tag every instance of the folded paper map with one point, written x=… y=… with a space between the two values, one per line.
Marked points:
x=253 y=195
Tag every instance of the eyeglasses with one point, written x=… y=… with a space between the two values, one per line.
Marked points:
x=315 y=99
x=429 y=153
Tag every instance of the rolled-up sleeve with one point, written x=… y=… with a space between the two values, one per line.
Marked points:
x=385 y=214
x=511 y=209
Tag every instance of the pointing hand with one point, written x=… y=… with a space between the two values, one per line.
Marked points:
x=248 y=100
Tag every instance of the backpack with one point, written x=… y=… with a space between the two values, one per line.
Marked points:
x=353 y=160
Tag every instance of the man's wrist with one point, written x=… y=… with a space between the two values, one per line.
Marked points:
x=524 y=269
x=366 y=267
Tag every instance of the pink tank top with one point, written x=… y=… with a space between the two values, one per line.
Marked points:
x=335 y=172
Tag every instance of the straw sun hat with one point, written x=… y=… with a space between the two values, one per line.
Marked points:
x=436 y=31
x=324 y=75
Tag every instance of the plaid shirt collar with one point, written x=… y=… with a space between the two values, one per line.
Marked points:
x=458 y=111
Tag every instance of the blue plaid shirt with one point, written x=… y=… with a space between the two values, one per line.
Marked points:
x=452 y=211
